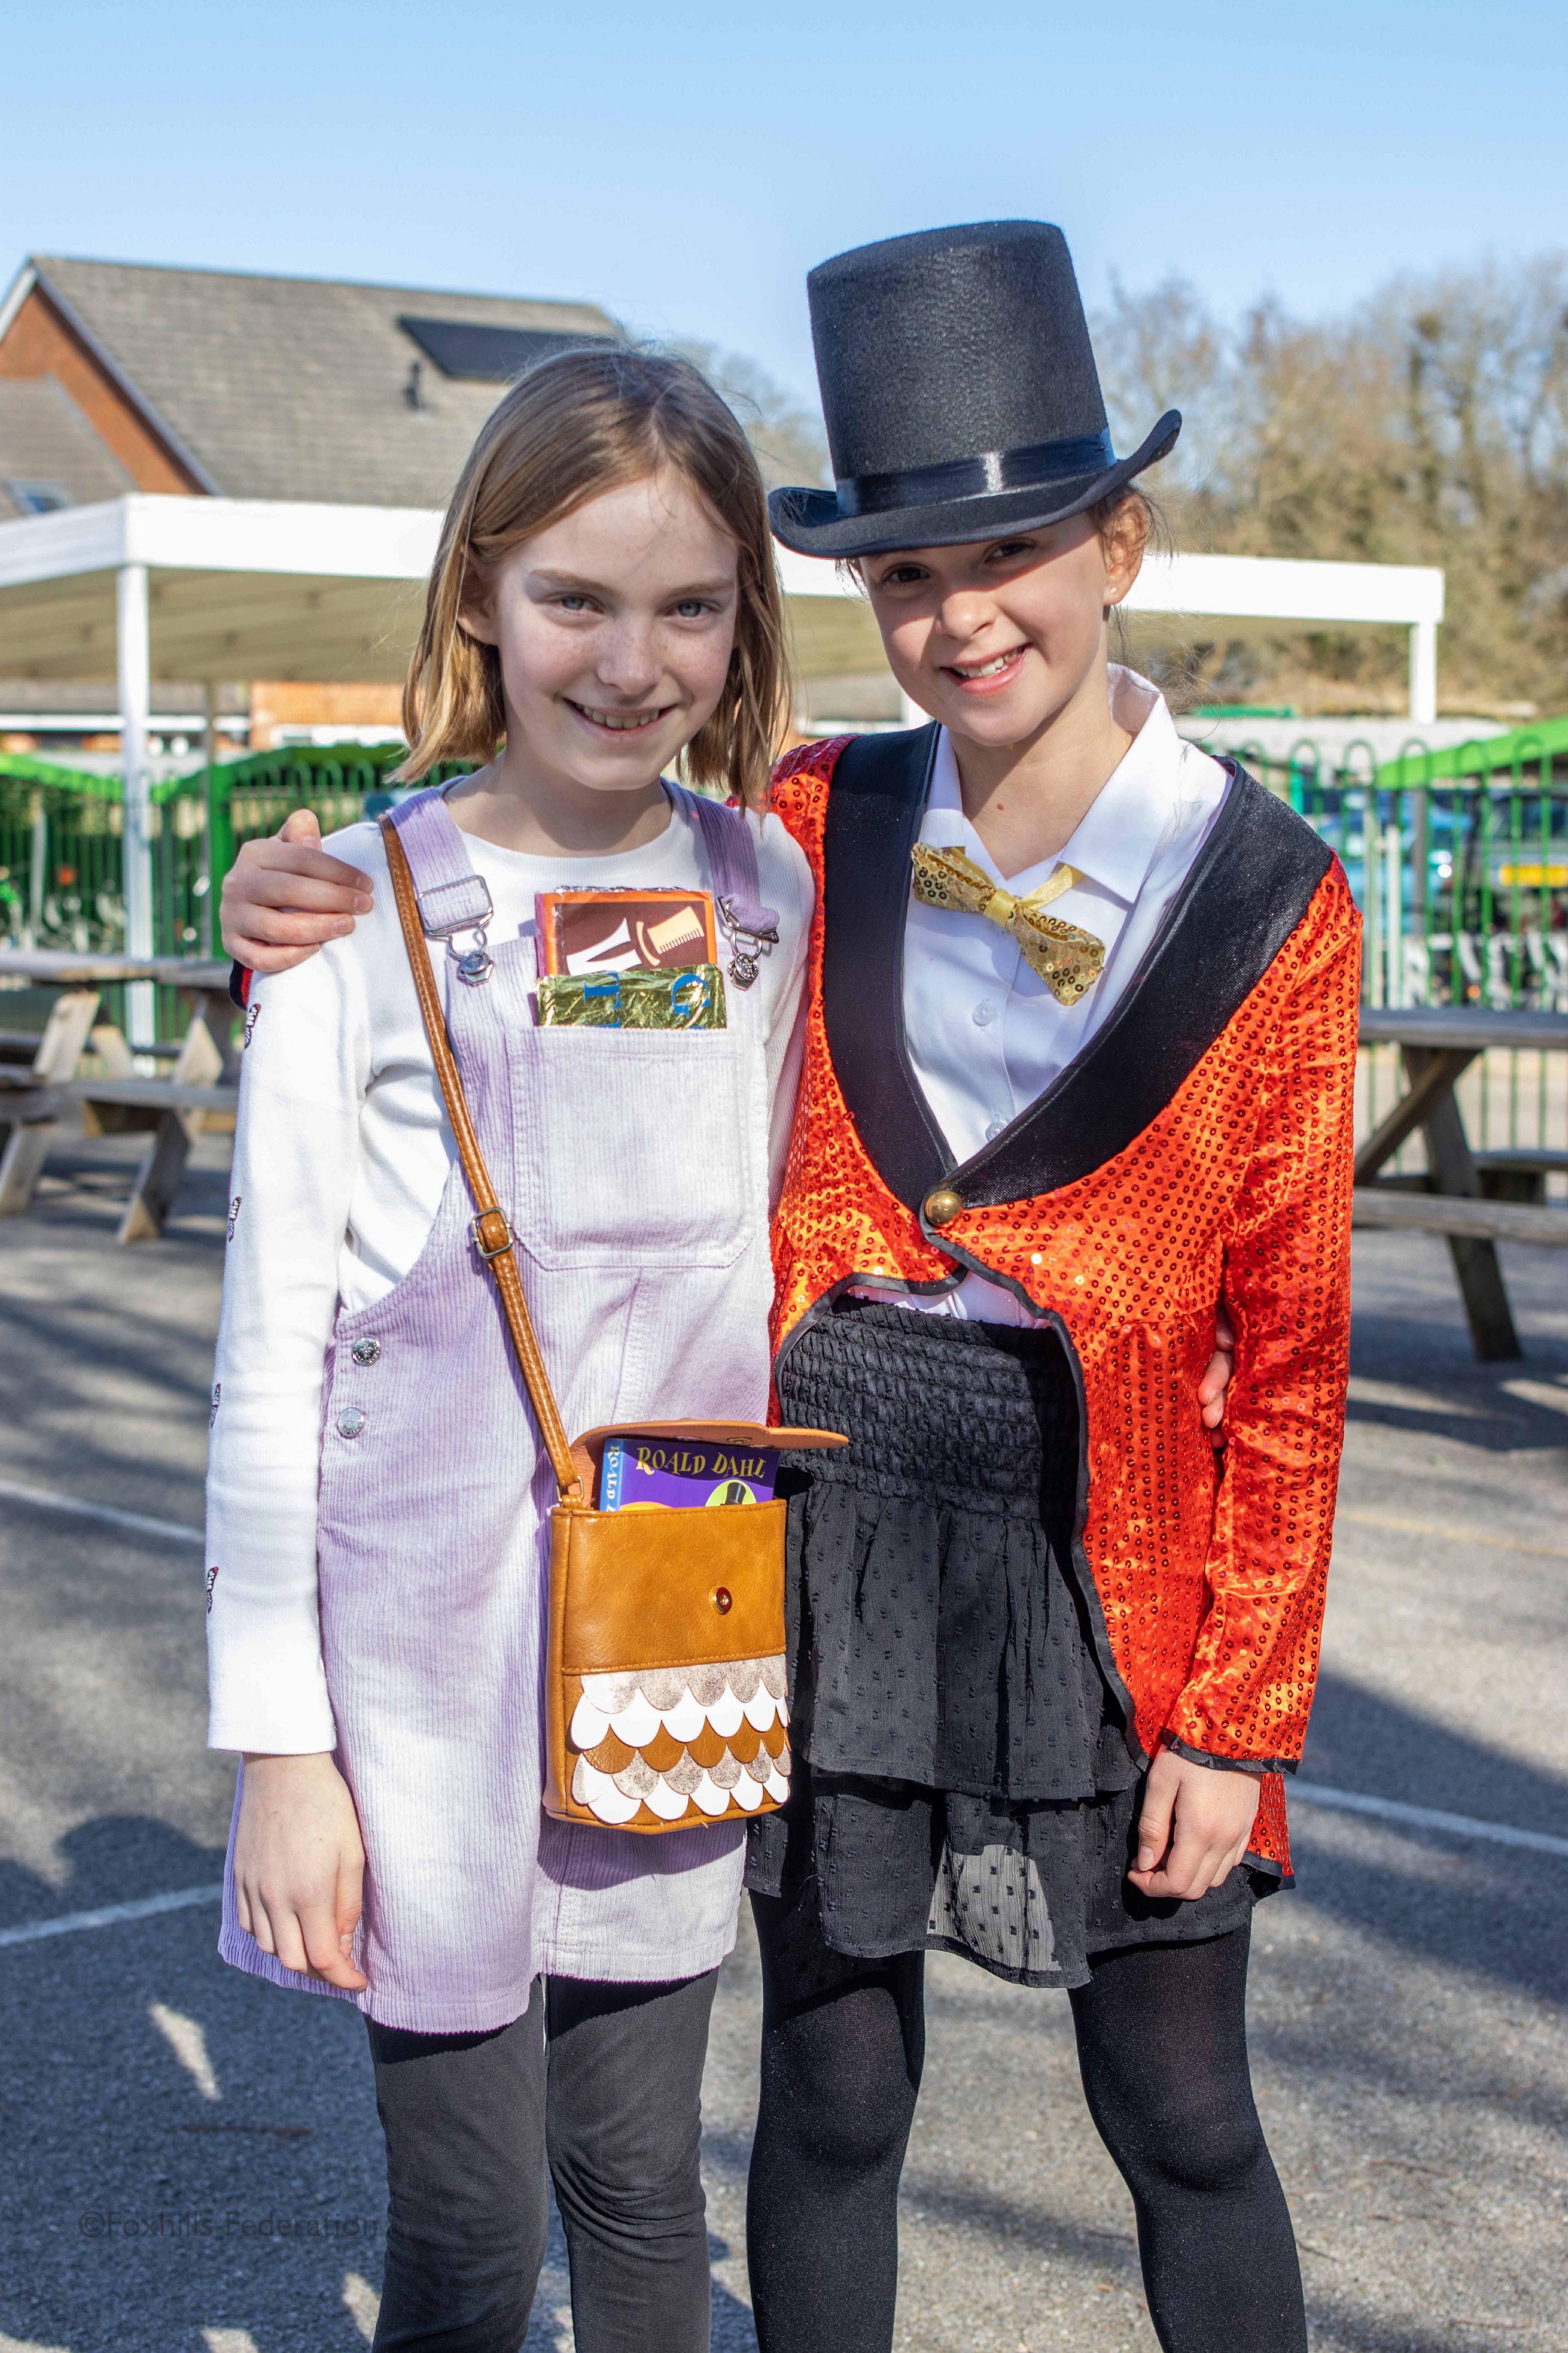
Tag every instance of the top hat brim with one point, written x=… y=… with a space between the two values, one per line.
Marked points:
x=813 y=522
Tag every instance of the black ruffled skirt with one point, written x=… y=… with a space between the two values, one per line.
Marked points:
x=964 y=1780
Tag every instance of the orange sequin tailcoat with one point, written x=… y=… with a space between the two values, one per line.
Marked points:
x=1211 y=1586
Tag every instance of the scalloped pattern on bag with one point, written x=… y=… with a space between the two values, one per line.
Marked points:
x=673 y=1745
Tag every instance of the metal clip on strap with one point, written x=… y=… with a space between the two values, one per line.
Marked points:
x=490 y=1227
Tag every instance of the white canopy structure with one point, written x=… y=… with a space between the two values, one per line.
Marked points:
x=147 y=586
x=150 y=587
x=1254 y=595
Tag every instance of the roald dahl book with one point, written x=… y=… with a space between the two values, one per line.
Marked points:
x=645 y=1475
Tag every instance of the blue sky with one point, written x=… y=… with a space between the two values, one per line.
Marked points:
x=684 y=166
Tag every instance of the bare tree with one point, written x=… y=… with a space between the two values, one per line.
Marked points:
x=788 y=439
x=1158 y=350
x=1428 y=426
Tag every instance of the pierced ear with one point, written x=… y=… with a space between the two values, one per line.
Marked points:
x=1129 y=542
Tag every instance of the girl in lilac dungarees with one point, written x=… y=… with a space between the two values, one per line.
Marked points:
x=537 y=1993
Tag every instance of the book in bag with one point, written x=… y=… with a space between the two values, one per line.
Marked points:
x=643 y=1474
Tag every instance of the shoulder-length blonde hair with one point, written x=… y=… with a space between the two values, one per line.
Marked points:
x=575 y=426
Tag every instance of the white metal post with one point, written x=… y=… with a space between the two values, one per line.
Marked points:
x=1372 y=909
x=1393 y=902
x=134 y=660
x=38 y=878
x=1423 y=673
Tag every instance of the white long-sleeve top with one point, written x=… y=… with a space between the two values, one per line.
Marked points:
x=986 y=1035
x=334 y=1194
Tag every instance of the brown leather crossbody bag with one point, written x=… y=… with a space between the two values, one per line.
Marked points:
x=665 y=1696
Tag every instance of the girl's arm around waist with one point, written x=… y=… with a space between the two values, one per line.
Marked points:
x=304 y=1075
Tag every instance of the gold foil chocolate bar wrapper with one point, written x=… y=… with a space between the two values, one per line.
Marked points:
x=661 y=999
x=641 y=998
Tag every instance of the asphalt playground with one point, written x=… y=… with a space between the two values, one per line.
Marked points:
x=189 y=2161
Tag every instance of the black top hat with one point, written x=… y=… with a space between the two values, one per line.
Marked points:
x=960 y=393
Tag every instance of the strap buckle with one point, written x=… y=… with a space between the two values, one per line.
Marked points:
x=464 y=905
x=750 y=929
x=485 y=1226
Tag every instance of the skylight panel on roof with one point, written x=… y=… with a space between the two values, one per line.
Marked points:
x=484 y=355
x=36 y=497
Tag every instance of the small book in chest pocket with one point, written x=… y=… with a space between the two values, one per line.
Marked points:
x=664 y=1691
x=597 y=931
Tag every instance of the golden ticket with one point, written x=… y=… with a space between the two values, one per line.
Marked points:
x=635 y=999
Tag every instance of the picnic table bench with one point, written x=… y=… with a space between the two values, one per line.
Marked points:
x=1437 y=1043
x=203 y=1077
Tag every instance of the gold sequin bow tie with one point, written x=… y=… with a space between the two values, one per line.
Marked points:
x=1066 y=959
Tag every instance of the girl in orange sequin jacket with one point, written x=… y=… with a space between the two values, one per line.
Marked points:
x=1199 y=1149
x=1050 y=1654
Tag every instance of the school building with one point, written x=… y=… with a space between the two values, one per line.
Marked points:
x=219 y=494
x=117 y=377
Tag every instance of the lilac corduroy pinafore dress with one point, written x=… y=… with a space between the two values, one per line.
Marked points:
x=634 y=1166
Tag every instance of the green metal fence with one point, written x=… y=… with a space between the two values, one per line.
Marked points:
x=1459 y=859
x=202 y=820
x=208 y=815
x=61 y=873
x=59 y=857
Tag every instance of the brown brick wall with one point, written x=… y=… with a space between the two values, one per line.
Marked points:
x=294 y=703
x=39 y=343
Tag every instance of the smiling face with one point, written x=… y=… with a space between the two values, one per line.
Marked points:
x=615 y=628
x=997 y=638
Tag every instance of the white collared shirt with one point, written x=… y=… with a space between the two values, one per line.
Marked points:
x=986 y=1035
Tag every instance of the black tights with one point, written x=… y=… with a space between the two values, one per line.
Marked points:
x=602 y=2083
x=1162 y=2046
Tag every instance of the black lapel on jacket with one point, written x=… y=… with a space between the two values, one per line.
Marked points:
x=875 y=805
x=1243 y=897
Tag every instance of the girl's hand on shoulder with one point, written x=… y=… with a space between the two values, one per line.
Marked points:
x=1216 y=1379
x=298 y=1867
x=1195 y=1826
x=284 y=896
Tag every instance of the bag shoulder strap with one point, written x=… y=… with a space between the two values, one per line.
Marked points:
x=490 y=1227
x=732 y=853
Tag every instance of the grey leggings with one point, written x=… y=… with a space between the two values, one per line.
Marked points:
x=602 y=2083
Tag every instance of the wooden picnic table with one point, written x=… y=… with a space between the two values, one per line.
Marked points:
x=1437 y=1043
x=203 y=1077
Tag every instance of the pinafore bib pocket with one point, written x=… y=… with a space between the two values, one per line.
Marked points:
x=644 y=1149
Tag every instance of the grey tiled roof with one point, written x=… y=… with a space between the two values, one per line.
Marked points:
x=297 y=387
x=45 y=438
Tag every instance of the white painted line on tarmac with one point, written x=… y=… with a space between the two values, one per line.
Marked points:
x=1450 y=1534
x=1426 y=1818
x=1312 y=1793
x=44 y=1499
x=110 y=1915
